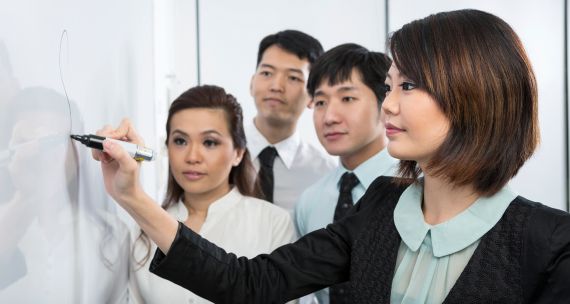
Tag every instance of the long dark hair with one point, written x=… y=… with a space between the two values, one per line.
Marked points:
x=241 y=176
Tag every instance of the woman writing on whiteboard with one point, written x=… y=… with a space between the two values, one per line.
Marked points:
x=461 y=114
x=210 y=188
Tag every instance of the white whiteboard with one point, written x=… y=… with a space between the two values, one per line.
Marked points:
x=61 y=238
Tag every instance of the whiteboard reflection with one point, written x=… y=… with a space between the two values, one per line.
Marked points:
x=63 y=251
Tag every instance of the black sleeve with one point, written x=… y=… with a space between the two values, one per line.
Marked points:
x=548 y=249
x=317 y=260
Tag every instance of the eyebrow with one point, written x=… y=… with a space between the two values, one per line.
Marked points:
x=347 y=89
x=211 y=132
x=266 y=65
x=179 y=132
x=203 y=133
x=341 y=90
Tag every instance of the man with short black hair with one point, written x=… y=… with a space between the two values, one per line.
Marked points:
x=347 y=87
x=286 y=164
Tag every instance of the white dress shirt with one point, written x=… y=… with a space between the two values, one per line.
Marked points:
x=243 y=225
x=298 y=165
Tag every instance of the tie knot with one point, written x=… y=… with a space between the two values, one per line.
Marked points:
x=347 y=182
x=267 y=156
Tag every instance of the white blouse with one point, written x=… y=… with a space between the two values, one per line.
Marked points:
x=243 y=225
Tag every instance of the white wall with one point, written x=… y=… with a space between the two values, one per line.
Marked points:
x=175 y=68
x=231 y=32
x=567 y=184
x=541 y=29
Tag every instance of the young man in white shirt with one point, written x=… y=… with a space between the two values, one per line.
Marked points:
x=278 y=88
x=347 y=87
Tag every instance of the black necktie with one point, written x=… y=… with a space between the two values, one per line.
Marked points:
x=347 y=182
x=340 y=293
x=265 y=174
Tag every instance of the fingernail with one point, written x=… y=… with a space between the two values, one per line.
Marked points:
x=108 y=145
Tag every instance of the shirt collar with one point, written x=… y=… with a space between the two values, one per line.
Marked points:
x=340 y=170
x=222 y=204
x=286 y=148
x=455 y=234
x=379 y=164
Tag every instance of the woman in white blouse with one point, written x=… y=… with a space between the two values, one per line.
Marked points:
x=210 y=189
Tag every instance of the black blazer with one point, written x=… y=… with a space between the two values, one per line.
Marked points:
x=524 y=258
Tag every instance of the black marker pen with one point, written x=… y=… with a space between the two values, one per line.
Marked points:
x=96 y=142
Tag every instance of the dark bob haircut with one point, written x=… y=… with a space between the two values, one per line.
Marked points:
x=475 y=67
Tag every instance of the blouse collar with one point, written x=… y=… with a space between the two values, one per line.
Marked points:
x=455 y=234
x=180 y=212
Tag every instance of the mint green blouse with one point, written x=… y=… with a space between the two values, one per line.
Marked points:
x=431 y=258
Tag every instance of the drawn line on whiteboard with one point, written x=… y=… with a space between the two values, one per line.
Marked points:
x=64 y=34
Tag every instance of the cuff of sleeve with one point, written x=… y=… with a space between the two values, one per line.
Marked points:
x=159 y=257
x=190 y=263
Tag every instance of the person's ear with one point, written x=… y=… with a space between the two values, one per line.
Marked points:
x=238 y=157
x=309 y=103
x=251 y=85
